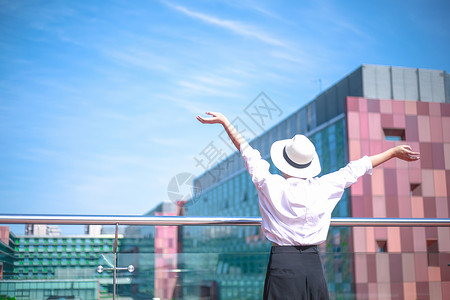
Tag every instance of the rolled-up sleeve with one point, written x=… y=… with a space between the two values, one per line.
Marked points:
x=338 y=181
x=257 y=167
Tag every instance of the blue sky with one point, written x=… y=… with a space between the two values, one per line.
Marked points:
x=98 y=98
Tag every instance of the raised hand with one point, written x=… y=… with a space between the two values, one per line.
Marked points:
x=405 y=152
x=217 y=118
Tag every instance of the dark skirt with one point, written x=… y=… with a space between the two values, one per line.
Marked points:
x=295 y=272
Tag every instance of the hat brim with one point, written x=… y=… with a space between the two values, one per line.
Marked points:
x=276 y=154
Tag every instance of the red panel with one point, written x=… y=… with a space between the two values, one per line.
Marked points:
x=375 y=147
x=381 y=234
x=399 y=121
x=429 y=207
x=436 y=129
x=447 y=179
x=358 y=207
x=431 y=233
x=352 y=104
x=424 y=128
x=398 y=107
x=364 y=124
x=445 y=109
x=371 y=268
x=421 y=264
x=434 y=108
x=415 y=175
x=386 y=106
x=440 y=189
x=442 y=208
x=362 y=291
x=362 y=104
x=365 y=147
x=392 y=207
x=423 y=291
x=422 y=108
x=375 y=129
x=426 y=156
x=373 y=106
x=368 y=209
x=405 y=208
x=446 y=131
x=367 y=185
x=445 y=287
x=395 y=267
x=390 y=182
x=353 y=128
x=406 y=237
x=387 y=120
x=437 y=150
x=444 y=259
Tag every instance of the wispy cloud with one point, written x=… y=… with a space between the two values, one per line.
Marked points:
x=236 y=27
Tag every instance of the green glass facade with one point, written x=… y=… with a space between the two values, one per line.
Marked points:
x=60 y=257
x=44 y=266
x=242 y=252
x=7 y=256
x=36 y=289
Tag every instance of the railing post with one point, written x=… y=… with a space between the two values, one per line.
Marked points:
x=115 y=261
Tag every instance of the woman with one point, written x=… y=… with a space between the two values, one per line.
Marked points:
x=296 y=207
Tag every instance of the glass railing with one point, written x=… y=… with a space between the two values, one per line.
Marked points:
x=215 y=258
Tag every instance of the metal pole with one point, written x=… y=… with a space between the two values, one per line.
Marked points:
x=208 y=221
x=115 y=261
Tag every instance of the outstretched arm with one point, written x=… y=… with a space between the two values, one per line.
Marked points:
x=218 y=118
x=403 y=152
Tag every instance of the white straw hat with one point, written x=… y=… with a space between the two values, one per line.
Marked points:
x=296 y=157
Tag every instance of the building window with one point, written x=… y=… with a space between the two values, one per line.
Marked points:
x=382 y=246
x=433 y=253
x=415 y=189
x=394 y=134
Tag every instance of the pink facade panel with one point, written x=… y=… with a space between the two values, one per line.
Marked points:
x=434 y=108
x=371 y=245
x=378 y=182
x=445 y=121
x=398 y=107
x=408 y=267
x=409 y=290
x=353 y=131
x=386 y=107
x=375 y=129
x=399 y=121
x=421 y=266
x=436 y=129
x=424 y=128
x=427 y=183
x=447 y=155
x=410 y=107
x=401 y=189
x=382 y=261
x=440 y=187
x=394 y=240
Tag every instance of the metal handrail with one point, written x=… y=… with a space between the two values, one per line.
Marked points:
x=211 y=221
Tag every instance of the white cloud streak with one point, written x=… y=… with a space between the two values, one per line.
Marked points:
x=233 y=26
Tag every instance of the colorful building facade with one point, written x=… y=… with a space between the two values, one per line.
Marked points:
x=345 y=122
x=405 y=263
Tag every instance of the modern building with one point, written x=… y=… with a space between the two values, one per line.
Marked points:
x=154 y=252
x=7 y=250
x=371 y=109
x=40 y=266
x=42 y=229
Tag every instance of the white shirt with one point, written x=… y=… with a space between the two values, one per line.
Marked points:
x=297 y=211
